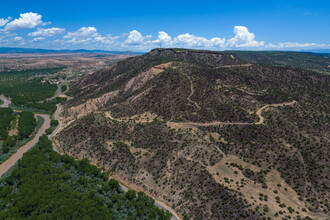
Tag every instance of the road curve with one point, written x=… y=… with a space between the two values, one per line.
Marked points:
x=5 y=166
x=167 y=208
x=58 y=92
x=6 y=102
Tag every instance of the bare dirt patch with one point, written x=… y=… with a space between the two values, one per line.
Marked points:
x=91 y=105
x=233 y=178
x=74 y=62
x=141 y=79
x=13 y=132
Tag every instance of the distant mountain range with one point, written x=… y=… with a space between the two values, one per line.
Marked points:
x=317 y=51
x=31 y=50
x=320 y=52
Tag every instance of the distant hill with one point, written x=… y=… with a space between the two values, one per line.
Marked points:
x=31 y=50
x=213 y=134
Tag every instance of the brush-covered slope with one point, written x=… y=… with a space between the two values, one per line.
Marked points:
x=310 y=61
x=209 y=134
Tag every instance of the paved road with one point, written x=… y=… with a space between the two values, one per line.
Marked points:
x=58 y=93
x=59 y=123
x=57 y=129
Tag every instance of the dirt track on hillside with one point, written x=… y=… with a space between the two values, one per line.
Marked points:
x=258 y=113
x=192 y=91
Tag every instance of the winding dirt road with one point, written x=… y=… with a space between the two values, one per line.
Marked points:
x=258 y=113
x=262 y=119
x=192 y=91
x=235 y=65
x=216 y=123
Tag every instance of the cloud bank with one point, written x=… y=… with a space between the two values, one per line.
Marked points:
x=47 y=32
x=89 y=38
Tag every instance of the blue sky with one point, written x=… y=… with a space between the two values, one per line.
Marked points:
x=143 y=25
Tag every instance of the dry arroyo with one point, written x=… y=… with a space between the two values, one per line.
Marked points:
x=5 y=166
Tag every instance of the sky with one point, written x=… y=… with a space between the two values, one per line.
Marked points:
x=144 y=25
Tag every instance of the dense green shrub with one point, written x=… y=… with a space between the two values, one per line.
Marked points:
x=6 y=116
x=46 y=185
x=26 y=124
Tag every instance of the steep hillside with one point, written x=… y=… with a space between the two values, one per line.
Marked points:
x=207 y=133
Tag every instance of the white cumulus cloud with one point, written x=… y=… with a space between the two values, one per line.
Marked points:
x=89 y=38
x=134 y=38
x=192 y=41
x=107 y=39
x=47 y=32
x=4 y=21
x=26 y=20
x=243 y=38
x=82 y=33
x=163 y=39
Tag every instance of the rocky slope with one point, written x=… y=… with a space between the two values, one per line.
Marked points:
x=207 y=133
